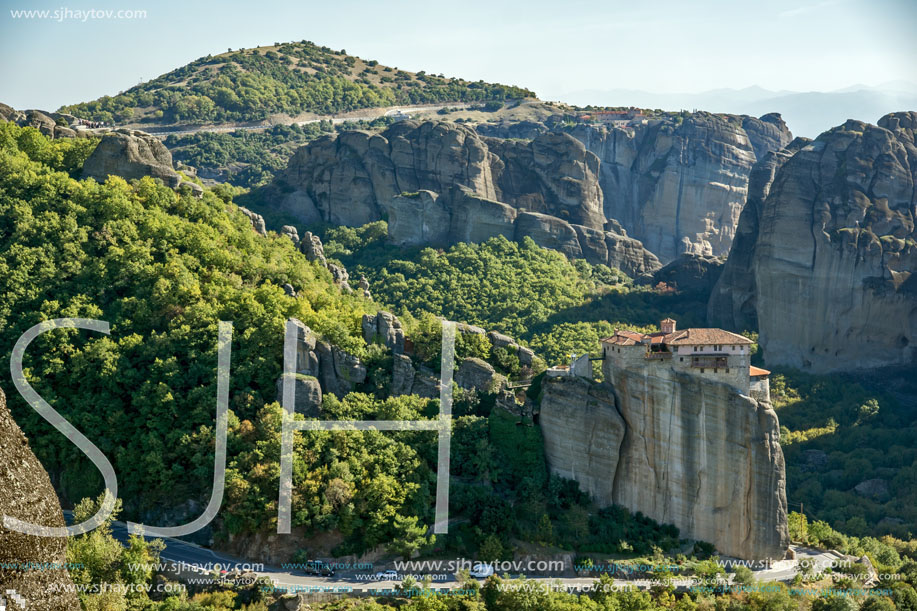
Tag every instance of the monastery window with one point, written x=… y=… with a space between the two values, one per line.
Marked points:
x=727 y=370
x=702 y=370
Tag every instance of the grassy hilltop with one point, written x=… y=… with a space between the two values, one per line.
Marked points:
x=285 y=78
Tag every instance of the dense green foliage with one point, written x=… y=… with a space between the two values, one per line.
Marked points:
x=533 y=294
x=244 y=158
x=837 y=432
x=162 y=268
x=289 y=78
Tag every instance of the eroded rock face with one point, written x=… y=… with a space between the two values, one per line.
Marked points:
x=475 y=373
x=26 y=494
x=733 y=300
x=308 y=398
x=385 y=328
x=256 y=219
x=678 y=448
x=679 y=188
x=694 y=274
x=442 y=183
x=131 y=154
x=586 y=432
x=835 y=252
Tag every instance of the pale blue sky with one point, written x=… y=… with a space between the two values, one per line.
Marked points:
x=550 y=47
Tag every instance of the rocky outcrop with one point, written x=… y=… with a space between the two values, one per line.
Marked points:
x=732 y=302
x=46 y=123
x=133 y=154
x=679 y=184
x=321 y=368
x=256 y=219
x=26 y=494
x=308 y=398
x=835 y=252
x=384 y=328
x=680 y=449
x=339 y=371
x=693 y=274
x=442 y=183
x=473 y=373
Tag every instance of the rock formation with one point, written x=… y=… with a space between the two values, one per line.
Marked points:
x=679 y=187
x=385 y=328
x=26 y=494
x=321 y=368
x=834 y=252
x=689 y=273
x=46 y=123
x=257 y=221
x=442 y=183
x=680 y=449
x=733 y=299
x=133 y=154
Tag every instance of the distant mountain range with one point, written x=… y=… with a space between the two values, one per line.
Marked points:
x=806 y=113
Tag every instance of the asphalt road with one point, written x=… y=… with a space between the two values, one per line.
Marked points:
x=178 y=551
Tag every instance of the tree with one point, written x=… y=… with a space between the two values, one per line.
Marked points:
x=410 y=537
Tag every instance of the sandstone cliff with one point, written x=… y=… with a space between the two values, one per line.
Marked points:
x=26 y=493
x=440 y=183
x=733 y=300
x=833 y=252
x=680 y=449
x=679 y=186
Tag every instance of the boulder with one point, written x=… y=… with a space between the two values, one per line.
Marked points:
x=308 y=398
x=26 y=494
x=475 y=373
x=498 y=340
x=873 y=488
x=311 y=246
x=131 y=154
x=402 y=375
x=291 y=232
x=526 y=356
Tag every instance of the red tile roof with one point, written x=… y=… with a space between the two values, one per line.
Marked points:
x=682 y=337
x=755 y=372
x=706 y=337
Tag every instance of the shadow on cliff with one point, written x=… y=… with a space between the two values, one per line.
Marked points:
x=637 y=307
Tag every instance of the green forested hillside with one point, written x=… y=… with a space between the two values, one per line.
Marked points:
x=162 y=268
x=289 y=78
x=534 y=294
x=248 y=158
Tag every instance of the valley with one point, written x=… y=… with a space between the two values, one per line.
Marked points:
x=583 y=252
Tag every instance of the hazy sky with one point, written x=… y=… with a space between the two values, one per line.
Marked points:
x=550 y=47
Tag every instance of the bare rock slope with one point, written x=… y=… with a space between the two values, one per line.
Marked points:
x=26 y=494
